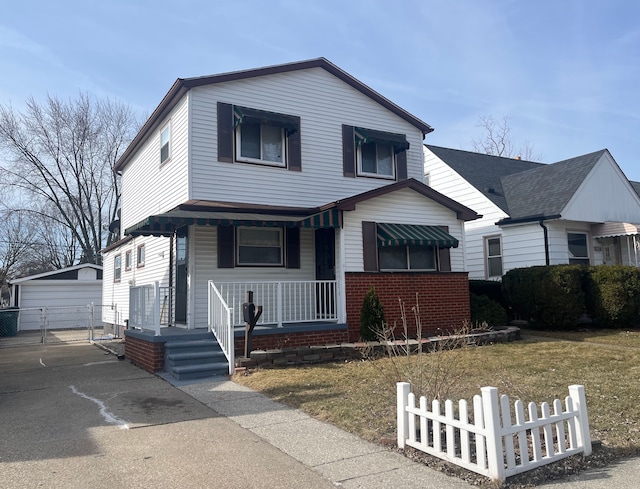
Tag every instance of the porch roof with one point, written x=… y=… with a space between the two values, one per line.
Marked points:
x=165 y=224
x=612 y=229
x=410 y=234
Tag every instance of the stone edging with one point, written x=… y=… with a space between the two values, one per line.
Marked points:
x=283 y=357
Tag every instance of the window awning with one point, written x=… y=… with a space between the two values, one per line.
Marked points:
x=165 y=224
x=398 y=141
x=612 y=229
x=245 y=115
x=412 y=234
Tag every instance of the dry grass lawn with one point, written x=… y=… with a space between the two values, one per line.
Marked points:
x=359 y=396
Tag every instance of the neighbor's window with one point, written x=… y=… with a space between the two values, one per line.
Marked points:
x=165 y=139
x=140 y=256
x=117 y=268
x=578 y=248
x=407 y=257
x=493 y=251
x=427 y=179
x=127 y=260
x=259 y=246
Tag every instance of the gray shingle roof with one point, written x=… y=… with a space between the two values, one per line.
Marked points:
x=545 y=191
x=522 y=188
x=636 y=186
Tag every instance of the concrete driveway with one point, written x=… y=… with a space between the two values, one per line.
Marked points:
x=73 y=416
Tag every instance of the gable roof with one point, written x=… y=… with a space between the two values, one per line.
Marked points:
x=636 y=186
x=64 y=273
x=483 y=171
x=522 y=188
x=183 y=85
x=547 y=189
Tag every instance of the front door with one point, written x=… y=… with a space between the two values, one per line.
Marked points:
x=325 y=270
x=182 y=261
x=610 y=252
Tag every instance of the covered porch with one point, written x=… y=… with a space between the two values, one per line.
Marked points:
x=620 y=242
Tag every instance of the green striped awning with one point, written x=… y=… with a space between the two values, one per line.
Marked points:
x=412 y=234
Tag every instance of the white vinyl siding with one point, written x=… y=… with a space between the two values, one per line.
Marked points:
x=323 y=103
x=402 y=207
x=147 y=187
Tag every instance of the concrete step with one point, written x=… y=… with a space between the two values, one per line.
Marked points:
x=191 y=346
x=189 y=372
x=194 y=357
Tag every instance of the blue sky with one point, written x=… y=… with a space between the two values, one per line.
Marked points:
x=566 y=73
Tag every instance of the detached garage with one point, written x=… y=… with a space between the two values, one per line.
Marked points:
x=69 y=291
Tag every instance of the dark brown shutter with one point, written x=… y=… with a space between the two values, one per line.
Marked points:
x=225 y=132
x=401 y=165
x=444 y=255
x=226 y=247
x=292 y=248
x=294 y=155
x=348 y=151
x=369 y=246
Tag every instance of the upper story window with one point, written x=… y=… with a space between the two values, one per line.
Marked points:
x=140 y=256
x=127 y=260
x=260 y=246
x=427 y=178
x=371 y=153
x=578 y=248
x=258 y=136
x=165 y=144
x=117 y=268
x=493 y=256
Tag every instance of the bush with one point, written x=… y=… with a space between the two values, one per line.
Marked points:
x=613 y=295
x=549 y=297
x=371 y=316
x=491 y=288
x=487 y=310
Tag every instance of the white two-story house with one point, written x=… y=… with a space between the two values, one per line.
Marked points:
x=296 y=182
x=579 y=211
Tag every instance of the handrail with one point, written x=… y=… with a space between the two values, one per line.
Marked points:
x=219 y=321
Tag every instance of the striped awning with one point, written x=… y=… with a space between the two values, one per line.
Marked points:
x=165 y=224
x=412 y=234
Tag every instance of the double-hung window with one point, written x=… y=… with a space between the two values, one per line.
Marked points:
x=127 y=260
x=493 y=254
x=165 y=140
x=140 y=256
x=261 y=143
x=117 y=268
x=372 y=153
x=578 y=248
x=258 y=246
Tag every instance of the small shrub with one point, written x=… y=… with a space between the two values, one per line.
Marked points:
x=486 y=310
x=371 y=316
x=491 y=288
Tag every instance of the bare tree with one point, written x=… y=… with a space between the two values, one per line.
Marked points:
x=497 y=141
x=61 y=157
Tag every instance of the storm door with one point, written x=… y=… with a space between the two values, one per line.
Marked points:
x=182 y=262
x=325 y=244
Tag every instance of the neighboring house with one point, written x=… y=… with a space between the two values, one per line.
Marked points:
x=581 y=210
x=296 y=182
x=64 y=290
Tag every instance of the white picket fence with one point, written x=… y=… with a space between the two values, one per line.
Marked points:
x=486 y=442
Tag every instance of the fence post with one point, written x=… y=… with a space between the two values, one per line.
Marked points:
x=576 y=392
x=491 y=413
x=403 y=389
x=43 y=328
x=279 y=302
x=91 y=308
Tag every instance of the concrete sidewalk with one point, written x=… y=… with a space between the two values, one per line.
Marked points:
x=349 y=462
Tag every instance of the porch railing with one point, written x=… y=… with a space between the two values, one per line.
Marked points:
x=149 y=307
x=284 y=302
x=219 y=320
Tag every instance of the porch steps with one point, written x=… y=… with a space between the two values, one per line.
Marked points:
x=194 y=359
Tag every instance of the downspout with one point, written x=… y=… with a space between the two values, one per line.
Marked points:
x=546 y=241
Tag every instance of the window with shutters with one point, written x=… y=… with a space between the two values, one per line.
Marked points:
x=259 y=246
x=372 y=153
x=407 y=257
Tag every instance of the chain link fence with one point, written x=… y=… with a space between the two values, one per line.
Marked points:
x=91 y=322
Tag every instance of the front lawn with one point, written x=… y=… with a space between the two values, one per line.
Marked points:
x=359 y=396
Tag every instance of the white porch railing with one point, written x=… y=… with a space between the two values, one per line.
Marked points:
x=284 y=302
x=486 y=443
x=149 y=307
x=219 y=320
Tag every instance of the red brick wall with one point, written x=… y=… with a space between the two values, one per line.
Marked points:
x=292 y=340
x=443 y=299
x=146 y=355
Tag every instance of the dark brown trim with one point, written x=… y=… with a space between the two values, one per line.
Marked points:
x=226 y=247
x=292 y=247
x=225 y=132
x=444 y=256
x=294 y=149
x=348 y=151
x=369 y=246
x=401 y=165
x=183 y=85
